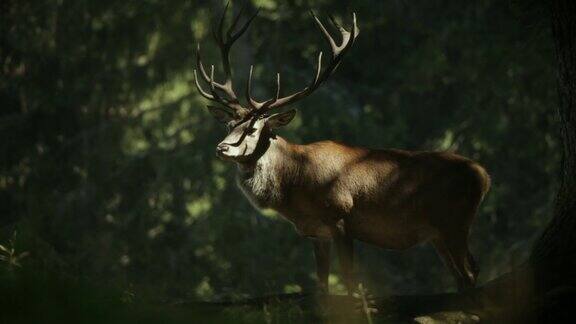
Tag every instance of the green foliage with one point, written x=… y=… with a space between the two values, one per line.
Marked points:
x=108 y=169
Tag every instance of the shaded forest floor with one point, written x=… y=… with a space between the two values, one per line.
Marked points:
x=28 y=297
x=298 y=307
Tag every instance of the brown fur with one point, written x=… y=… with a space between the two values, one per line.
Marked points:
x=391 y=198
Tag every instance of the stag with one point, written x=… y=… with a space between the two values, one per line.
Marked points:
x=335 y=193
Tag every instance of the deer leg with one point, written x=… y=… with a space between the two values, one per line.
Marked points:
x=473 y=266
x=322 y=256
x=455 y=256
x=345 y=248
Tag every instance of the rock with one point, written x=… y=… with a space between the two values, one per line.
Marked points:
x=448 y=318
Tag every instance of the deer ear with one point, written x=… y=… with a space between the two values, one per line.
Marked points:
x=280 y=119
x=221 y=114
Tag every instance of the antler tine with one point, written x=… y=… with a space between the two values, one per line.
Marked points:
x=253 y=103
x=234 y=37
x=212 y=77
x=235 y=22
x=334 y=22
x=199 y=87
x=278 y=102
x=257 y=105
x=277 y=86
x=348 y=38
x=225 y=46
x=200 y=65
x=338 y=50
x=208 y=79
x=355 y=29
x=218 y=32
x=216 y=97
x=213 y=95
x=225 y=42
x=227 y=89
x=325 y=32
x=318 y=69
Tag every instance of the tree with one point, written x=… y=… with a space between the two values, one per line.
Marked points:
x=557 y=240
x=554 y=254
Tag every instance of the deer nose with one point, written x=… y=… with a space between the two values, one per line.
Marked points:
x=221 y=148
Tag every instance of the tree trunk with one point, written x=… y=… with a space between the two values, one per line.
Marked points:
x=554 y=254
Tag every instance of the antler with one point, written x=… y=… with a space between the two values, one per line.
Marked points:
x=225 y=42
x=338 y=52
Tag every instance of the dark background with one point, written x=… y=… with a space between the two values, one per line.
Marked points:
x=107 y=165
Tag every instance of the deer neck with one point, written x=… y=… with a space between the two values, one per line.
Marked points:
x=264 y=178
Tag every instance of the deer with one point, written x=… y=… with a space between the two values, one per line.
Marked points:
x=334 y=193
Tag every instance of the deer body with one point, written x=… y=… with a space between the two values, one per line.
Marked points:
x=332 y=192
x=383 y=196
x=394 y=199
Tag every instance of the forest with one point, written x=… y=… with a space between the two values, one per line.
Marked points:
x=115 y=209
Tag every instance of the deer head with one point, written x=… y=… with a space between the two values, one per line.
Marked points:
x=250 y=124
